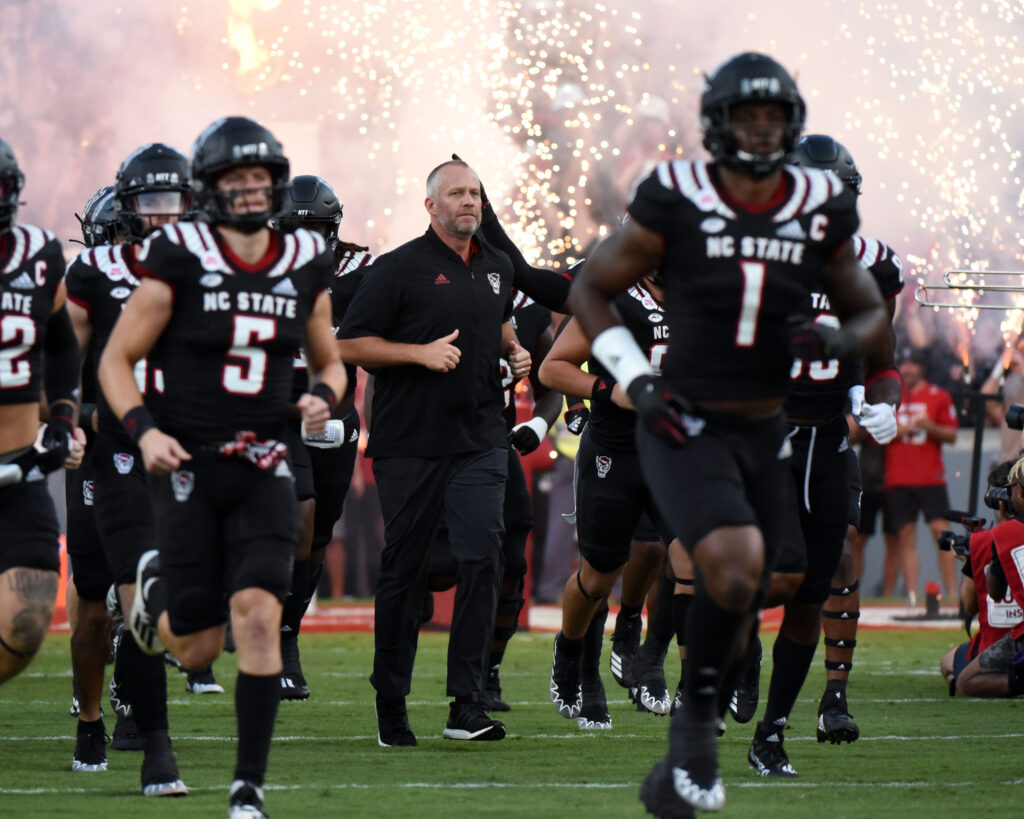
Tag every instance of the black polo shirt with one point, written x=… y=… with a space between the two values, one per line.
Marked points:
x=416 y=294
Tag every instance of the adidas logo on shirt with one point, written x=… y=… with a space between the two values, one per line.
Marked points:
x=791 y=230
x=441 y=279
x=23 y=282
x=284 y=288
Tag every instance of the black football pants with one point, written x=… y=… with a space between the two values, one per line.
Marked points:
x=468 y=491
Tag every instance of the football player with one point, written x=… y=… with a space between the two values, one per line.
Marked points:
x=323 y=462
x=226 y=302
x=151 y=190
x=38 y=355
x=741 y=243
x=825 y=474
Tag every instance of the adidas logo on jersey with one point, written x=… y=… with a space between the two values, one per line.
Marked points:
x=441 y=279
x=23 y=282
x=284 y=288
x=791 y=230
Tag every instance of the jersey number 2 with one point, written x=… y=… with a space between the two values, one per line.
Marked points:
x=248 y=378
x=16 y=371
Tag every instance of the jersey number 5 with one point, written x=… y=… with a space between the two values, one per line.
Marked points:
x=248 y=378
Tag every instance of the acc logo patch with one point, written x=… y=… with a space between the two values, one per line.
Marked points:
x=123 y=462
x=211 y=279
x=713 y=224
x=655 y=318
x=182 y=484
x=120 y=293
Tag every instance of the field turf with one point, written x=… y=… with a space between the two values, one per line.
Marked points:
x=921 y=753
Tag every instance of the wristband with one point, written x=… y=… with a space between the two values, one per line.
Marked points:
x=137 y=422
x=538 y=425
x=601 y=393
x=883 y=374
x=62 y=411
x=618 y=351
x=322 y=390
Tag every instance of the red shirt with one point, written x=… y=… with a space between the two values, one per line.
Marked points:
x=915 y=458
x=1009 y=540
x=995 y=617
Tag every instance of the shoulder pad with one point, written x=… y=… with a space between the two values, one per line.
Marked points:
x=353 y=260
x=297 y=250
x=812 y=188
x=692 y=181
x=28 y=241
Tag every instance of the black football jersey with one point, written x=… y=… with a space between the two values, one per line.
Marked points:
x=228 y=348
x=734 y=276
x=530 y=320
x=819 y=388
x=31 y=268
x=100 y=280
x=347 y=276
x=644 y=316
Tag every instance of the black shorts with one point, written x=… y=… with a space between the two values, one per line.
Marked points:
x=124 y=515
x=611 y=497
x=904 y=503
x=332 y=475
x=222 y=525
x=820 y=470
x=300 y=462
x=90 y=571
x=28 y=523
x=733 y=472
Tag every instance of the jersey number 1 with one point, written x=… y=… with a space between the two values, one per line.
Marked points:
x=750 y=306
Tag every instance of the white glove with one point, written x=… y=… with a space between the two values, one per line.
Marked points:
x=856 y=396
x=880 y=422
x=332 y=437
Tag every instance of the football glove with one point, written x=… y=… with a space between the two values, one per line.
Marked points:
x=880 y=422
x=810 y=341
x=526 y=437
x=576 y=417
x=658 y=408
x=56 y=440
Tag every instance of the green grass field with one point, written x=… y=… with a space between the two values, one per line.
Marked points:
x=921 y=753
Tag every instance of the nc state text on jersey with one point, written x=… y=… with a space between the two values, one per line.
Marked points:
x=756 y=247
x=263 y=303
x=16 y=303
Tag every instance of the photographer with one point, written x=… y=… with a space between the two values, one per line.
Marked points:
x=981 y=669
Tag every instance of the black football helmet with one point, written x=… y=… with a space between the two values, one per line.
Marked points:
x=747 y=78
x=311 y=203
x=12 y=180
x=100 y=224
x=820 y=151
x=236 y=142
x=153 y=181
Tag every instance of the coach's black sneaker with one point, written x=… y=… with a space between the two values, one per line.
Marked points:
x=202 y=682
x=468 y=720
x=835 y=724
x=566 y=671
x=246 y=801
x=393 y=723
x=766 y=754
x=126 y=735
x=293 y=682
x=625 y=644
x=492 y=700
x=743 y=704
x=650 y=691
x=659 y=794
x=594 y=714
x=143 y=617
x=90 y=747
x=160 y=770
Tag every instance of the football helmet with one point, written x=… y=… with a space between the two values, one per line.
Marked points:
x=749 y=78
x=236 y=142
x=820 y=151
x=12 y=180
x=311 y=203
x=100 y=224
x=152 y=182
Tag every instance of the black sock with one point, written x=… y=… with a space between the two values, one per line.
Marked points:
x=629 y=611
x=659 y=629
x=295 y=602
x=312 y=584
x=836 y=685
x=571 y=648
x=710 y=647
x=790 y=664
x=256 y=701
x=593 y=640
x=143 y=680
x=680 y=609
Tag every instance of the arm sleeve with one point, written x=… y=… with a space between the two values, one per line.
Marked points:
x=62 y=358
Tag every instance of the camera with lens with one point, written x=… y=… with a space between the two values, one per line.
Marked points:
x=1015 y=416
x=995 y=495
x=959 y=544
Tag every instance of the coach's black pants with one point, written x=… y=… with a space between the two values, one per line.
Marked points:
x=468 y=491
